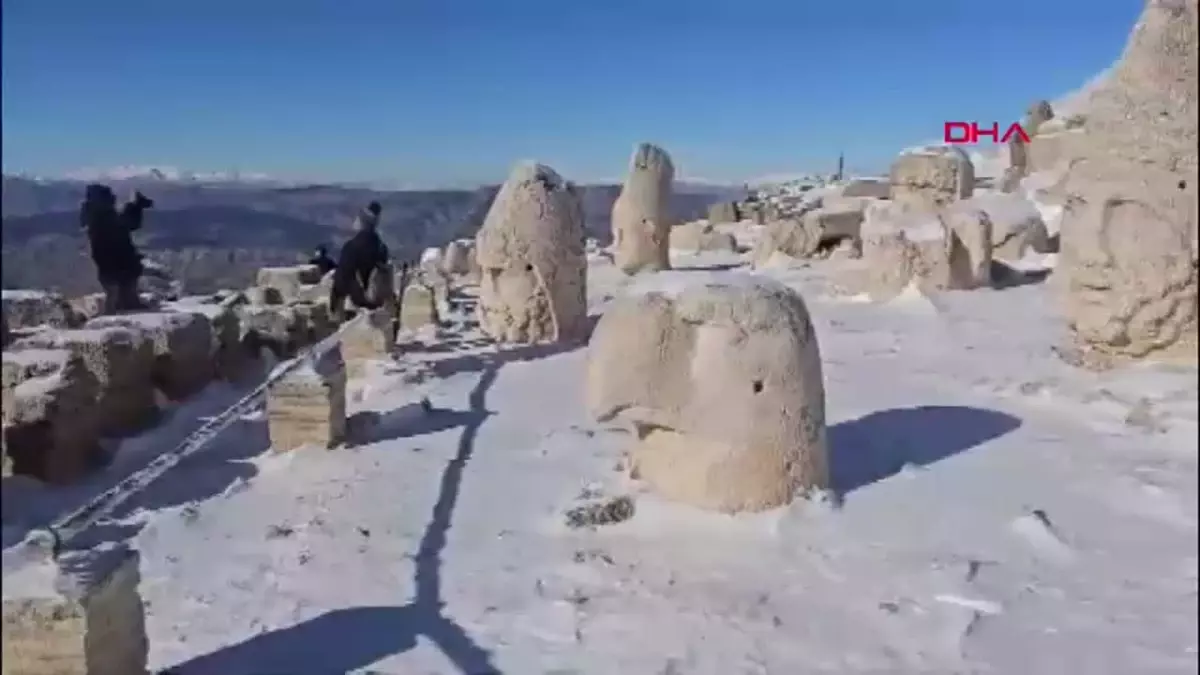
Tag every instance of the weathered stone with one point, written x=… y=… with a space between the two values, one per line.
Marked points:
x=370 y=336
x=183 y=348
x=867 y=187
x=904 y=244
x=33 y=308
x=932 y=176
x=790 y=237
x=534 y=286
x=1017 y=225
x=719 y=376
x=89 y=620
x=51 y=428
x=641 y=216
x=723 y=212
x=308 y=405
x=287 y=281
x=701 y=236
x=456 y=261
x=283 y=330
x=121 y=360
x=418 y=308
x=1129 y=255
x=88 y=306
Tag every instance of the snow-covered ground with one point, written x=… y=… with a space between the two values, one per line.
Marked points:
x=1000 y=512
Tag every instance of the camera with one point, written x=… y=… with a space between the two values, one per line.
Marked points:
x=142 y=201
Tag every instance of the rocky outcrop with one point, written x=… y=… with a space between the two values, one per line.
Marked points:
x=641 y=217
x=719 y=377
x=530 y=248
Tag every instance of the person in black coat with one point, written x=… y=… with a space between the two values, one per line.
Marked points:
x=110 y=236
x=361 y=255
x=322 y=260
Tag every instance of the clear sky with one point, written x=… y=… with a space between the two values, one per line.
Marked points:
x=452 y=91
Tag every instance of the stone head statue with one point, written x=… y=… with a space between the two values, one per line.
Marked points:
x=720 y=378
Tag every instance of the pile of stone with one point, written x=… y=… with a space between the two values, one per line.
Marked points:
x=66 y=387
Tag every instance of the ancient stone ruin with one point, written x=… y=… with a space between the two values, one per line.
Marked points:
x=641 y=216
x=419 y=308
x=370 y=336
x=530 y=249
x=1129 y=232
x=932 y=176
x=719 y=376
x=903 y=245
x=81 y=614
x=307 y=407
x=701 y=236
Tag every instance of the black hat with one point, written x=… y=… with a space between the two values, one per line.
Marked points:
x=375 y=207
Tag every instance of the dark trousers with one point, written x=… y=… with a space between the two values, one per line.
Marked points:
x=121 y=296
x=351 y=287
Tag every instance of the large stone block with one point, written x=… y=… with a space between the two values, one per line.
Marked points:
x=288 y=281
x=51 y=429
x=183 y=347
x=86 y=618
x=904 y=245
x=370 y=336
x=932 y=176
x=418 y=308
x=121 y=360
x=308 y=405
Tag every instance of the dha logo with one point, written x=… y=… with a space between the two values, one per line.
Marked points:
x=968 y=133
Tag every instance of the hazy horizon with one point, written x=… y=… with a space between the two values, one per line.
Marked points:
x=456 y=93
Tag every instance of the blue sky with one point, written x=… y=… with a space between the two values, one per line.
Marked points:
x=455 y=91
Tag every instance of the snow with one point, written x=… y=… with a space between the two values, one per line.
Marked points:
x=24 y=295
x=999 y=511
x=673 y=283
x=431 y=255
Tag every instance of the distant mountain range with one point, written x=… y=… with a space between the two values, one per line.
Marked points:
x=216 y=230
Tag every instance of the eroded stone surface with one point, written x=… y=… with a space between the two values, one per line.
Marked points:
x=307 y=407
x=534 y=285
x=90 y=621
x=32 y=308
x=122 y=361
x=182 y=342
x=932 y=176
x=935 y=250
x=641 y=217
x=720 y=378
x=1129 y=257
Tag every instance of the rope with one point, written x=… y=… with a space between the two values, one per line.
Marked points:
x=60 y=533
